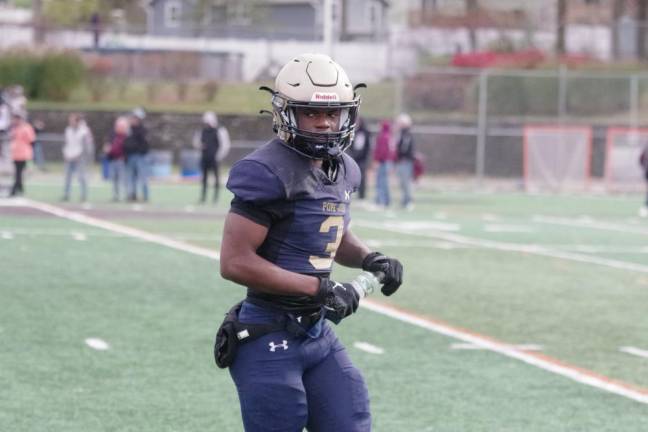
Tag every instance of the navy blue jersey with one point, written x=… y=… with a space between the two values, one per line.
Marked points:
x=306 y=212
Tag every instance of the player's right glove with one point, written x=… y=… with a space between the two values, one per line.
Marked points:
x=339 y=299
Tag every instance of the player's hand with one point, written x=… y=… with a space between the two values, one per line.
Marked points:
x=339 y=299
x=391 y=268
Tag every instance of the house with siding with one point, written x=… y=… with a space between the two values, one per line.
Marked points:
x=357 y=20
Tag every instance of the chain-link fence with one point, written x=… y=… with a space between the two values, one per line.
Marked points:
x=471 y=122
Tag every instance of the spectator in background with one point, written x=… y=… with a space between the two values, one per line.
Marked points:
x=17 y=101
x=5 y=122
x=643 y=160
x=405 y=151
x=76 y=152
x=214 y=146
x=383 y=155
x=359 y=151
x=39 y=154
x=136 y=148
x=22 y=136
x=5 y=114
x=114 y=150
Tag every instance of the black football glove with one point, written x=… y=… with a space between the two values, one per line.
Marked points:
x=339 y=299
x=391 y=268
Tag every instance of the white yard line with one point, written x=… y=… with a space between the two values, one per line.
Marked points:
x=509 y=247
x=634 y=351
x=538 y=360
x=121 y=229
x=589 y=223
x=367 y=347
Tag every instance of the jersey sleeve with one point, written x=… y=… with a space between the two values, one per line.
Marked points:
x=257 y=191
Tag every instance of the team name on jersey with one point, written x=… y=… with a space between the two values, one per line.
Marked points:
x=333 y=207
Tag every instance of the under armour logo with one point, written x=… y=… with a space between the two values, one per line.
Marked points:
x=347 y=195
x=338 y=284
x=283 y=344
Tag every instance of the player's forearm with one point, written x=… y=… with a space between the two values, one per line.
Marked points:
x=257 y=273
x=351 y=251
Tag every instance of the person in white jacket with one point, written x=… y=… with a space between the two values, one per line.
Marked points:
x=77 y=150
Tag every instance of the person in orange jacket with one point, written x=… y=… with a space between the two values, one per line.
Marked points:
x=22 y=136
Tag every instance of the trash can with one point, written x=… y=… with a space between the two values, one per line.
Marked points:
x=160 y=163
x=190 y=163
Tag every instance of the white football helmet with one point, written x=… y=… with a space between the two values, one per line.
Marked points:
x=314 y=81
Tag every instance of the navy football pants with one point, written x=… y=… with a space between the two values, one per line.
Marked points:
x=286 y=383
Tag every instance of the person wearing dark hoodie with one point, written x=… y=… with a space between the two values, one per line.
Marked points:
x=136 y=149
x=405 y=159
x=214 y=145
x=359 y=151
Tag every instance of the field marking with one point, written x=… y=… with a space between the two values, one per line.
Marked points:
x=367 y=347
x=7 y=235
x=510 y=247
x=587 y=222
x=520 y=347
x=634 y=351
x=97 y=344
x=121 y=229
x=541 y=361
x=501 y=228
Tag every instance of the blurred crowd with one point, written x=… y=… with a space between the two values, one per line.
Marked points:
x=391 y=152
x=124 y=153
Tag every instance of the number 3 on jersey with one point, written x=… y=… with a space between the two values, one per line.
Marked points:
x=325 y=262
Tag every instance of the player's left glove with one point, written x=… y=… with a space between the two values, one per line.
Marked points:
x=391 y=268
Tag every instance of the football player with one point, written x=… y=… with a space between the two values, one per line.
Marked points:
x=288 y=223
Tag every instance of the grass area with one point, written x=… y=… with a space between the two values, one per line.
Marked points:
x=158 y=308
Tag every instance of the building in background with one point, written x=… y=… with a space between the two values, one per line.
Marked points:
x=274 y=19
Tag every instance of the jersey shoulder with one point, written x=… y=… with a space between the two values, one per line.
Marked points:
x=254 y=178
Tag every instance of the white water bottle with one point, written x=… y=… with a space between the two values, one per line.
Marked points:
x=365 y=283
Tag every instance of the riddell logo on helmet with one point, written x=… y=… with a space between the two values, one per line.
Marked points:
x=325 y=97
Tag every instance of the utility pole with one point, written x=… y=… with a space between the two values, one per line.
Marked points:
x=328 y=27
x=37 y=22
x=561 y=22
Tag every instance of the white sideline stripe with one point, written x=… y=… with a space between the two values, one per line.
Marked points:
x=589 y=223
x=7 y=235
x=512 y=247
x=367 y=347
x=469 y=346
x=634 y=351
x=546 y=363
x=121 y=229
x=538 y=360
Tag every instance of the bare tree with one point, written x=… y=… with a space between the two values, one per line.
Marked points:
x=642 y=15
x=561 y=24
